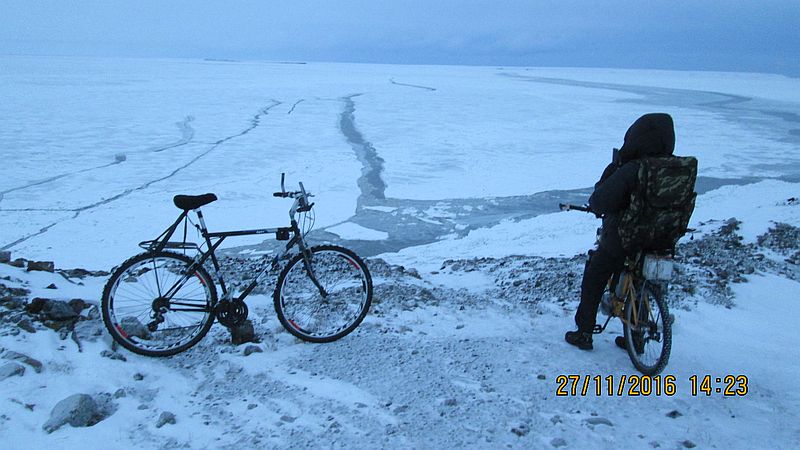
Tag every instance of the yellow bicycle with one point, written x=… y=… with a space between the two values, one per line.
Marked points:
x=636 y=297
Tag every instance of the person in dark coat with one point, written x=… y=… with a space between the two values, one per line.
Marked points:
x=652 y=135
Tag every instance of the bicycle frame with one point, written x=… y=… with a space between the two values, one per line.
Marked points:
x=214 y=239
x=629 y=294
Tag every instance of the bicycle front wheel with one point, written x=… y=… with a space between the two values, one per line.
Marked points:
x=153 y=306
x=648 y=330
x=308 y=314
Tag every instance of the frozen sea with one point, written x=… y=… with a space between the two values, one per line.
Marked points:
x=398 y=156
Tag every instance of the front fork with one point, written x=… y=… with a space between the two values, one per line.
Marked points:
x=307 y=259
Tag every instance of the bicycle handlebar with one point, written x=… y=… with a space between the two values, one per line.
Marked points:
x=569 y=207
x=300 y=196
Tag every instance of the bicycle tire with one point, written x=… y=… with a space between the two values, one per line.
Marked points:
x=130 y=295
x=650 y=341
x=300 y=306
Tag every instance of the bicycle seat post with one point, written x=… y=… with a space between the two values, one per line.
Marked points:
x=202 y=221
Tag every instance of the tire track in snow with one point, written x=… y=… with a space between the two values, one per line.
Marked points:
x=254 y=122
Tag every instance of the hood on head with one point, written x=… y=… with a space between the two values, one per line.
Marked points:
x=651 y=135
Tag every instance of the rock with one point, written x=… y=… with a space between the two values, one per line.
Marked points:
x=250 y=349
x=26 y=325
x=58 y=311
x=41 y=266
x=134 y=328
x=11 y=369
x=688 y=444
x=541 y=376
x=288 y=419
x=19 y=262
x=36 y=305
x=450 y=402
x=52 y=286
x=520 y=431
x=77 y=305
x=674 y=414
x=599 y=421
x=243 y=333
x=82 y=273
x=5 y=257
x=558 y=442
x=166 y=417
x=138 y=376
x=120 y=393
x=113 y=355
x=79 y=410
x=14 y=356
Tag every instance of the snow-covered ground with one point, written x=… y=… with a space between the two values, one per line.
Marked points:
x=441 y=165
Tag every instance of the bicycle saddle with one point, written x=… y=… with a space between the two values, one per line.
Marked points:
x=187 y=202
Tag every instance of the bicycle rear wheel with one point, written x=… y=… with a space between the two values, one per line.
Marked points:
x=300 y=306
x=137 y=289
x=648 y=330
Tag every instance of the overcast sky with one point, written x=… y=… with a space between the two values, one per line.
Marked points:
x=734 y=35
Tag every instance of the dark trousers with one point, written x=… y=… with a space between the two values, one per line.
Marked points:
x=601 y=265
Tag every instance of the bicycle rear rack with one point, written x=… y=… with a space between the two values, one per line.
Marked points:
x=151 y=245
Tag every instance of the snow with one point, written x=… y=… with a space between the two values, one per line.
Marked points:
x=352 y=231
x=442 y=360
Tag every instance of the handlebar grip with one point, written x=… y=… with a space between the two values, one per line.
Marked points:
x=279 y=194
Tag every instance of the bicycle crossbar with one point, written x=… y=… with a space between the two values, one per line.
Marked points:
x=220 y=234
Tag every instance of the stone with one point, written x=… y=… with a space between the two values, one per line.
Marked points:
x=11 y=369
x=243 y=333
x=5 y=257
x=134 y=328
x=674 y=414
x=83 y=273
x=77 y=305
x=26 y=325
x=113 y=355
x=688 y=444
x=250 y=349
x=79 y=410
x=558 y=442
x=25 y=359
x=166 y=417
x=36 y=305
x=19 y=262
x=58 y=311
x=52 y=286
x=599 y=421
x=138 y=376
x=450 y=402
x=41 y=266
x=520 y=431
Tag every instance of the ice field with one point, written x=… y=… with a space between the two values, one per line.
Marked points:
x=94 y=148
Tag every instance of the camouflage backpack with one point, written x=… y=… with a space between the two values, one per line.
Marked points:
x=660 y=207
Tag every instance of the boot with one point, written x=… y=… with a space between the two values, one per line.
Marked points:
x=580 y=339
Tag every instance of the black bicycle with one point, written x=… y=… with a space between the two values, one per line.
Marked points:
x=162 y=302
x=636 y=297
